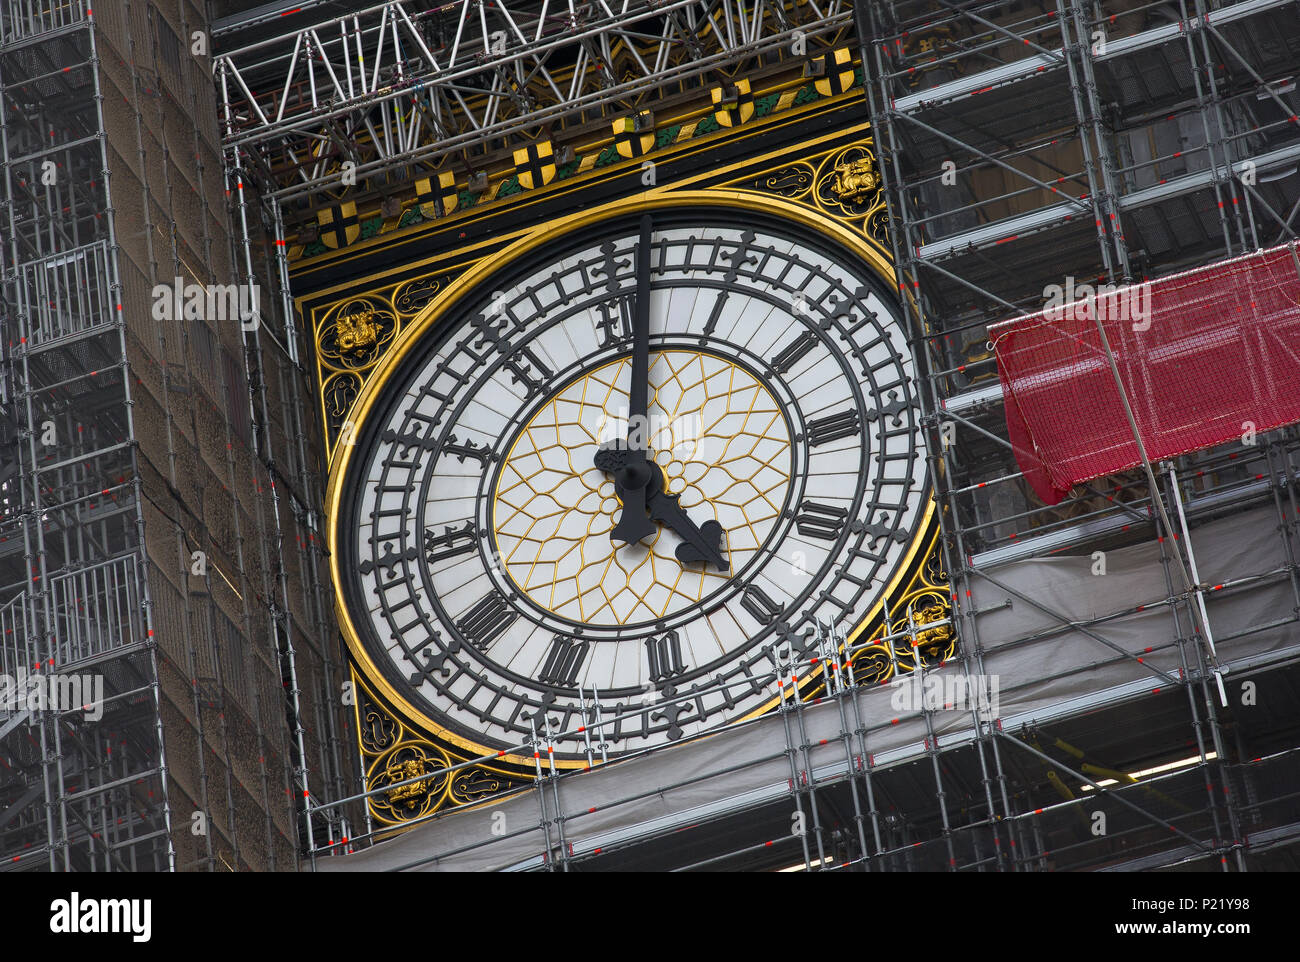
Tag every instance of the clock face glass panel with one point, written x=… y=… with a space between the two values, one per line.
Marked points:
x=553 y=514
x=477 y=562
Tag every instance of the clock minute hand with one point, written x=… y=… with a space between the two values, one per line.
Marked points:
x=639 y=388
x=702 y=543
x=631 y=470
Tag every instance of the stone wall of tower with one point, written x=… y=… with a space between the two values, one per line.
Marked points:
x=222 y=444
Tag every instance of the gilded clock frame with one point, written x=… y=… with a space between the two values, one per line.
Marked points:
x=820 y=178
x=411 y=335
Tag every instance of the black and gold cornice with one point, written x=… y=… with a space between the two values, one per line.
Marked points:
x=609 y=166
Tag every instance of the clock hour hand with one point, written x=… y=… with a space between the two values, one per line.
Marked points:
x=632 y=476
x=702 y=543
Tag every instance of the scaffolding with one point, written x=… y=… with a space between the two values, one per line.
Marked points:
x=1101 y=725
x=75 y=794
x=362 y=99
x=1107 y=142
x=157 y=534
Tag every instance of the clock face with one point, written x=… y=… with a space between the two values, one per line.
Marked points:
x=478 y=534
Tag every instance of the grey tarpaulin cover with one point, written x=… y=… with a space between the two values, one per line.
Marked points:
x=1041 y=678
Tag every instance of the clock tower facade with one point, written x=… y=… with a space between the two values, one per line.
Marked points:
x=611 y=440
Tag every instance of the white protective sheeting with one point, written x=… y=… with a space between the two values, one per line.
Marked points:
x=1037 y=679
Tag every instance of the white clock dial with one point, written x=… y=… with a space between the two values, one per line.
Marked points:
x=480 y=568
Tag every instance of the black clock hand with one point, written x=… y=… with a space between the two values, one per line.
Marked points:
x=631 y=477
x=631 y=470
x=702 y=543
x=699 y=543
x=638 y=393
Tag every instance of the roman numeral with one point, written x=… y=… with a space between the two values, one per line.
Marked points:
x=615 y=325
x=712 y=323
x=417 y=438
x=485 y=622
x=664 y=655
x=737 y=258
x=758 y=604
x=452 y=542
x=519 y=363
x=820 y=520
x=563 y=661
x=797 y=348
x=833 y=427
x=467 y=450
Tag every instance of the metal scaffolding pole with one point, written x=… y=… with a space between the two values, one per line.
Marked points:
x=958 y=265
x=86 y=599
x=462 y=76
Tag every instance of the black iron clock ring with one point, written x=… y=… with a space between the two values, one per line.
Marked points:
x=628 y=458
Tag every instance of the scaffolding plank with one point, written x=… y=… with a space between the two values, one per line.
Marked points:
x=1006 y=74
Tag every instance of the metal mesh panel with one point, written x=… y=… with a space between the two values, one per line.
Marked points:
x=95 y=609
x=21 y=19
x=66 y=293
x=1205 y=356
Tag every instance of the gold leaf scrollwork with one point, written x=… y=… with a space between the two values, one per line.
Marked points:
x=411 y=297
x=475 y=784
x=934 y=574
x=406 y=761
x=928 y=600
x=392 y=754
x=352 y=336
x=338 y=395
x=792 y=182
x=848 y=183
x=872 y=665
x=844 y=184
x=378 y=730
x=355 y=334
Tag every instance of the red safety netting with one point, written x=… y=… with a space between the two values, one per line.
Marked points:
x=1205 y=357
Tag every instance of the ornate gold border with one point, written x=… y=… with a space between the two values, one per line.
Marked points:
x=819 y=156
x=788 y=111
x=392 y=752
x=434 y=312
